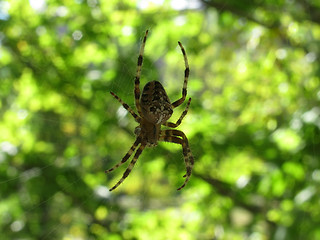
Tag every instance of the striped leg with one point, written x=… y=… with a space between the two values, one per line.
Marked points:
x=127 y=107
x=186 y=76
x=174 y=137
x=129 y=168
x=138 y=74
x=174 y=125
x=127 y=156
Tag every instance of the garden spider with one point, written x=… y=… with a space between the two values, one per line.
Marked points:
x=154 y=109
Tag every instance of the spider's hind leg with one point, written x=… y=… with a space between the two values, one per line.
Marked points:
x=138 y=74
x=184 y=113
x=186 y=76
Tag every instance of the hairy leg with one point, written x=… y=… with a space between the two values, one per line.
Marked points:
x=129 y=168
x=186 y=76
x=138 y=75
x=127 y=107
x=176 y=136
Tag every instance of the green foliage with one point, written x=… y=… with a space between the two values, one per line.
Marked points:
x=253 y=124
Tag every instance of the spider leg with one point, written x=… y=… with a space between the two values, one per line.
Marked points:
x=184 y=113
x=129 y=168
x=138 y=74
x=127 y=156
x=174 y=137
x=127 y=107
x=186 y=76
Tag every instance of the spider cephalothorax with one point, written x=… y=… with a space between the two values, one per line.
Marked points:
x=154 y=109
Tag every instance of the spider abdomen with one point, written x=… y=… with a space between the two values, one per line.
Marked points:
x=155 y=103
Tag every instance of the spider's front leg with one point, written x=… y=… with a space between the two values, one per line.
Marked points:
x=127 y=156
x=176 y=136
x=129 y=168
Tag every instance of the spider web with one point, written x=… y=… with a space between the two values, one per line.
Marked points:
x=123 y=86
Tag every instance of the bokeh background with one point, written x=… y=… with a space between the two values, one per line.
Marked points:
x=253 y=124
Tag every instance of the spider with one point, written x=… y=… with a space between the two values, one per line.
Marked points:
x=154 y=109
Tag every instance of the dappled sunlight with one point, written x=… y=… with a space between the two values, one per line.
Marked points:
x=253 y=125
